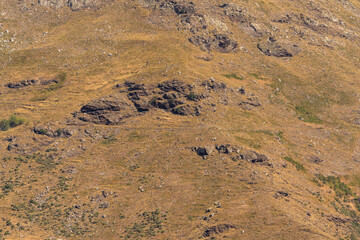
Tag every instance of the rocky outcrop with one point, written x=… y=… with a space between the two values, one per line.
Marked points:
x=174 y=96
x=254 y=157
x=217 y=42
x=30 y=82
x=109 y=110
x=50 y=132
x=73 y=4
x=218 y=229
x=236 y=153
x=213 y=85
x=250 y=102
x=208 y=33
x=281 y=48
x=236 y=13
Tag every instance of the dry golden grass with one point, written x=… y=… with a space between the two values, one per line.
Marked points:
x=100 y=48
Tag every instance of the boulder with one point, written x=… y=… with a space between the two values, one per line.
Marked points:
x=255 y=157
x=224 y=148
x=204 y=151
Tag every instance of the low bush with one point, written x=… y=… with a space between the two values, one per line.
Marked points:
x=13 y=121
x=298 y=165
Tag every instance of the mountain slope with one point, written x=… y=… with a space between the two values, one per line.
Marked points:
x=156 y=119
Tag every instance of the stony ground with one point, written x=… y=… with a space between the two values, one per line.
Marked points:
x=159 y=119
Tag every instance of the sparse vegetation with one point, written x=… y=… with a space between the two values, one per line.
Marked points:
x=150 y=225
x=340 y=188
x=134 y=167
x=252 y=143
x=109 y=140
x=280 y=135
x=256 y=75
x=306 y=115
x=233 y=75
x=113 y=151
x=135 y=136
x=44 y=94
x=60 y=80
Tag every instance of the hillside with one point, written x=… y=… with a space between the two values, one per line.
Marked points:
x=170 y=119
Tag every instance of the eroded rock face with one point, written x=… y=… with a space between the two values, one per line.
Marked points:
x=281 y=48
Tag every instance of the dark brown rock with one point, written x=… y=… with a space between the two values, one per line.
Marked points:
x=224 y=148
x=213 y=85
x=110 y=110
x=186 y=110
x=30 y=82
x=204 y=151
x=218 y=229
x=250 y=102
x=48 y=131
x=176 y=86
x=255 y=157
x=217 y=42
x=281 y=194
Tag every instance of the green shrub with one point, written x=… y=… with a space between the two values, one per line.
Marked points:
x=178 y=111
x=4 y=125
x=42 y=131
x=192 y=96
x=298 y=165
x=13 y=121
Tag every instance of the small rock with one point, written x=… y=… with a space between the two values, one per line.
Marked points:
x=104 y=205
